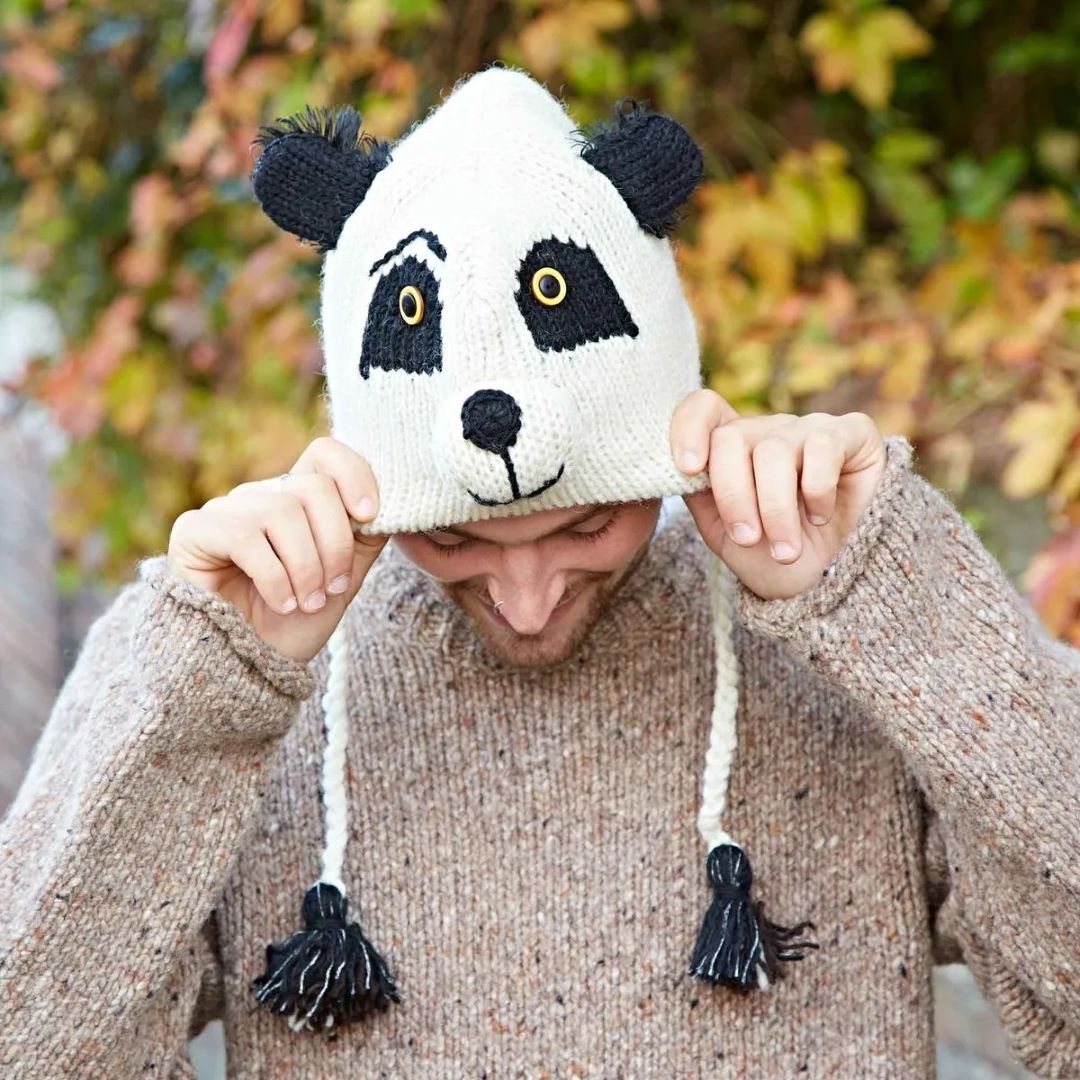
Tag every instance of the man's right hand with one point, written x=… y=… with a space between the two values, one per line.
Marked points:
x=284 y=551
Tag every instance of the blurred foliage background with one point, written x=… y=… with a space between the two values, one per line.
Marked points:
x=890 y=223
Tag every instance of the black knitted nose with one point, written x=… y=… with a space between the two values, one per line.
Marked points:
x=491 y=419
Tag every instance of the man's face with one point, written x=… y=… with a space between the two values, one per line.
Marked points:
x=555 y=573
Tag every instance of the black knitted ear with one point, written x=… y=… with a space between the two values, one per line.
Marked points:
x=314 y=171
x=651 y=160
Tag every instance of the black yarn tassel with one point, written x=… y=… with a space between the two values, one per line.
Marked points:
x=328 y=973
x=736 y=937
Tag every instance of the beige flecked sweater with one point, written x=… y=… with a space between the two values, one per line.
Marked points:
x=523 y=844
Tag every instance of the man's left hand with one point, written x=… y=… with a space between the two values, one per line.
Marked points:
x=785 y=491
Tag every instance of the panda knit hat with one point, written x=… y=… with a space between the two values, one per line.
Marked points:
x=504 y=332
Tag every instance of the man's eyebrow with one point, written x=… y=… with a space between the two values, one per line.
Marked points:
x=589 y=512
x=426 y=235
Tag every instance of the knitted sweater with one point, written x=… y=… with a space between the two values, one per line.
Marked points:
x=523 y=842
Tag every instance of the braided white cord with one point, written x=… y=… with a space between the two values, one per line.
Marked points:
x=722 y=735
x=336 y=720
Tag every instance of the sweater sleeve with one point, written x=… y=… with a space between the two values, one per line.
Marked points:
x=920 y=626
x=116 y=848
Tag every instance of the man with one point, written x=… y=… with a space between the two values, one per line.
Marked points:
x=526 y=692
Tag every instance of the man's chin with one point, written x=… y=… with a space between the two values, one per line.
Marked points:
x=533 y=651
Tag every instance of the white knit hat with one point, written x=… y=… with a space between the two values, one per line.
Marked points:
x=504 y=332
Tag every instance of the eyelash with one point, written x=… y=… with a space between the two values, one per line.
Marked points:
x=587 y=537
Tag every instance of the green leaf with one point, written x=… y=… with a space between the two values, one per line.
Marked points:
x=907 y=148
x=979 y=191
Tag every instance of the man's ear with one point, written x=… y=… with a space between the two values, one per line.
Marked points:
x=314 y=171
x=652 y=161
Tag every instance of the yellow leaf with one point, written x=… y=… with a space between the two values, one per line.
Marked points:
x=951 y=457
x=894 y=30
x=799 y=210
x=281 y=18
x=871 y=354
x=860 y=52
x=558 y=33
x=746 y=371
x=1067 y=488
x=972 y=336
x=881 y=38
x=131 y=392
x=895 y=418
x=831 y=44
x=904 y=376
x=815 y=366
x=844 y=205
x=1042 y=431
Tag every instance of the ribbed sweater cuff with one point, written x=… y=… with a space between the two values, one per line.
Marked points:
x=290 y=677
x=783 y=618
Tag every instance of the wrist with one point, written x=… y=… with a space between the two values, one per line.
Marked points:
x=285 y=674
x=783 y=616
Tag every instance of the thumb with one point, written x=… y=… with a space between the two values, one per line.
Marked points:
x=702 y=507
x=366 y=549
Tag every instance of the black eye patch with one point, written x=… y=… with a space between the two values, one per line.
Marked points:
x=591 y=310
x=390 y=342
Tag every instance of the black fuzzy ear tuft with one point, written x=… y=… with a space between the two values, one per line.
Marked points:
x=651 y=160
x=314 y=171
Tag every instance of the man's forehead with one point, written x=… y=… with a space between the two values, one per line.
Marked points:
x=523 y=527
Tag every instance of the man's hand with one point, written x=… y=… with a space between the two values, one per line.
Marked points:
x=785 y=491
x=284 y=551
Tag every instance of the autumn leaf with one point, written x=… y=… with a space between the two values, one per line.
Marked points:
x=859 y=51
x=907 y=366
x=1053 y=585
x=816 y=366
x=1042 y=431
x=560 y=32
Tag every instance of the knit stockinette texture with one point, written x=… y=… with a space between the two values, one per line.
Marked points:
x=493 y=177
x=907 y=765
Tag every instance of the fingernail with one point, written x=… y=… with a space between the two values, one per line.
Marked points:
x=742 y=533
x=816 y=519
x=365 y=508
x=315 y=600
x=782 y=551
x=289 y=606
x=338 y=585
x=689 y=461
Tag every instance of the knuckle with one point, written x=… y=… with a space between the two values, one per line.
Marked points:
x=339 y=551
x=731 y=499
x=732 y=431
x=185 y=520
x=771 y=446
x=822 y=441
x=288 y=506
x=774 y=512
x=307 y=573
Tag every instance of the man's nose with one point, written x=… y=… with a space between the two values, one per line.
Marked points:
x=529 y=595
x=491 y=420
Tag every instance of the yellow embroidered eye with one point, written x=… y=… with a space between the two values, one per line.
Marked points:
x=549 y=286
x=410 y=303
